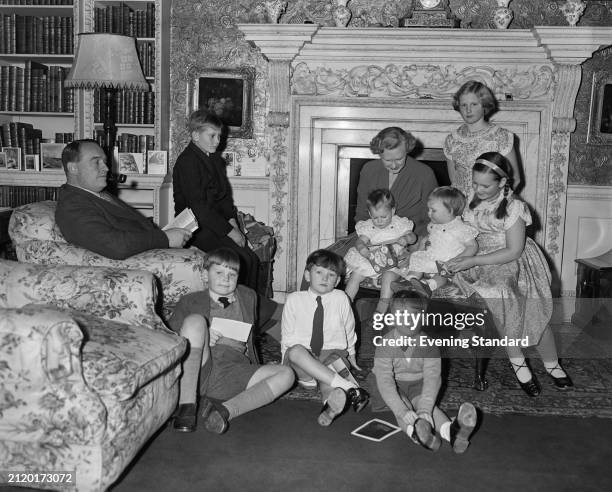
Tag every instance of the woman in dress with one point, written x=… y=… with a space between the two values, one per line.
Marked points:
x=475 y=102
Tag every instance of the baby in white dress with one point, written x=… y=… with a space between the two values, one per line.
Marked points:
x=448 y=237
x=381 y=243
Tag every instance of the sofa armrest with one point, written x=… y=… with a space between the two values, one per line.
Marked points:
x=45 y=397
x=121 y=295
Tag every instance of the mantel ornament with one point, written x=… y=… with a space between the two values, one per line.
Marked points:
x=429 y=13
x=573 y=10
x=341 y=13
x=502 y=15
x=274 y=9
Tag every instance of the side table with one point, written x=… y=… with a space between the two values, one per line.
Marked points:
x=6 y=247
x=594 y=292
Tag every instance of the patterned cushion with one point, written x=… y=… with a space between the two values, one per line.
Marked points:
x=32 y=221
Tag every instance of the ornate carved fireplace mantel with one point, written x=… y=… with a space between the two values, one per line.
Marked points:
x=337 y=87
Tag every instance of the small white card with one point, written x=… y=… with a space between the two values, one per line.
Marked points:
x=376 y=430
x=184 y=220
x=230 y=328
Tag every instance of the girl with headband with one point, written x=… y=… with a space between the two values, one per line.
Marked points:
x=509 y=272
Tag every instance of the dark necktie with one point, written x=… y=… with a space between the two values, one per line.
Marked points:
x=225 y=301
x=316 y=342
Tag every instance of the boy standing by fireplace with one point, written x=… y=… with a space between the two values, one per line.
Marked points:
x=226 y=368
x=318 y=327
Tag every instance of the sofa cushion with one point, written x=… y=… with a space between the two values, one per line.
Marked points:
x=35 y=221
x=119 y=359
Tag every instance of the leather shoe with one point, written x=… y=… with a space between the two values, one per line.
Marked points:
x=561 y=383
x=359 y=398
x=425 y=436
x=185 y=418
x=480 y=383
x=462 y=427
x=531 y=387
x=215 y=416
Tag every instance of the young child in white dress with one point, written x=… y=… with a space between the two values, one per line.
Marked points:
x=381 y=242
x=449 y=237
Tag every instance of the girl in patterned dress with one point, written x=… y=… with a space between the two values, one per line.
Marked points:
x=509 y=272
x=448 y=237
x=381 y=241
x=475 y=102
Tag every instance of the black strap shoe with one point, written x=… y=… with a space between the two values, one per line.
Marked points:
x=531 y=387
x=563 y=382
x=185 y=419
x=359 y=398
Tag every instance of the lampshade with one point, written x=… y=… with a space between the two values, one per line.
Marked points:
x=106 y=60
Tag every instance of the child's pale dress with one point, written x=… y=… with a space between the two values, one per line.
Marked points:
x=399 y=226
x=517 y=292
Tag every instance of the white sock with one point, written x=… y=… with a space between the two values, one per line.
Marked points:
x=340 y=382
x=554 y=369
x=523 y=374
x=410 y=432
x=433 y=285
x=445 y=430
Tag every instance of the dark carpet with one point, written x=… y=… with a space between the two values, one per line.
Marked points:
x=281 y=448
x=587 y=359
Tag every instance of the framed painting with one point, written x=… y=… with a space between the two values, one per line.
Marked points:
x=51 y=156
x=13 y=158
x=131 y=163
x=32 y=162
x=228 y=93
x=600 y=118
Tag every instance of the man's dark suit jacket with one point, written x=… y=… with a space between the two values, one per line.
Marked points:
x=199 y=303
x=112 y=229
x=200 y=183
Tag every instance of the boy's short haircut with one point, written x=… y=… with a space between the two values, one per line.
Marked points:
x=380 y=196
x=326 y=259
x=451 y=198
x=201 y=118
x=411 y=298
x=224 y=257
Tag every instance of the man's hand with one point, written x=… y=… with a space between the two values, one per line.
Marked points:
x=410 y=417
x=177 y=237
x=237 y=236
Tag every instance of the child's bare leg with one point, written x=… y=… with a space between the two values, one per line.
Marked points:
x=547 y=349
x=386 y=280
x=436 y=281
x=303 y=360
x=334 y=401
x=352 y=286
x=195 y=330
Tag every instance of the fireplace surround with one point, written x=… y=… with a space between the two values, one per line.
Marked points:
x=333 y=89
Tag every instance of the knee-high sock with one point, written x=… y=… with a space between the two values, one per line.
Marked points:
x=256 y=396
x=191 y=374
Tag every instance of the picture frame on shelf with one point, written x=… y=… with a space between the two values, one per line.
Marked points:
x=13 y=158
x=157 y=162
x=31 y=162
x=2 y=161
x=51 y=156
x=228 y=93
x=600 y=117
x=233 y=167
x=131 y=163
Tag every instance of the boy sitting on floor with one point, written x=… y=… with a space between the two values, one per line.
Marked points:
x=230 y=379
x=318 y=327
x=408 y=378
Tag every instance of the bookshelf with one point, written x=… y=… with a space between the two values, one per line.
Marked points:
x=36 y=52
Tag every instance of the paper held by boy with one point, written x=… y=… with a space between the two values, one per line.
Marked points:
x=230 y=328
x=184 y=220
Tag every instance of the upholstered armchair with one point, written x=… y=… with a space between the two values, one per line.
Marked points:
x=37 y=239
x=88 y=371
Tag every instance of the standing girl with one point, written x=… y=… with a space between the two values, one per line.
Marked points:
x=509 y=272
x=475 y=102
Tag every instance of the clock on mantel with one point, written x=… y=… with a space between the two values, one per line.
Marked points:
x=429 y=13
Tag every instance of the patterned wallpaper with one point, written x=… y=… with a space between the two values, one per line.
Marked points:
x=204 y=37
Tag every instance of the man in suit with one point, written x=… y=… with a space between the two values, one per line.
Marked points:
x=92 y=218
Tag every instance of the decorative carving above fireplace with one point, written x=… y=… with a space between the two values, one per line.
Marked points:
x=340 y=86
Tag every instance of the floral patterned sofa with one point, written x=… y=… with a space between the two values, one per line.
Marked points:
x=88 y=371
x=37 y=239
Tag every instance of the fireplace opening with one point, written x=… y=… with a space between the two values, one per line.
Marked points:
x=434 y=158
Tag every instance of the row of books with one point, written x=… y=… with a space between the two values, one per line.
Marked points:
x=14 y=196
x=28 y=34
x=122 y=19
x=146 y=55
x=128 y=142
x=35 y=88
x=131 y=107
x=22 y=135
x=35 y=2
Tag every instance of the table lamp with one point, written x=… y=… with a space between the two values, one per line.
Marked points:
x=110 y=62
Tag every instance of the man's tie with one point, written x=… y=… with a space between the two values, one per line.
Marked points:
x=225 y=301
x=316 y=342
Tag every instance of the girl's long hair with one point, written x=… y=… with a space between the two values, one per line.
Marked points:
x=500 y=161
